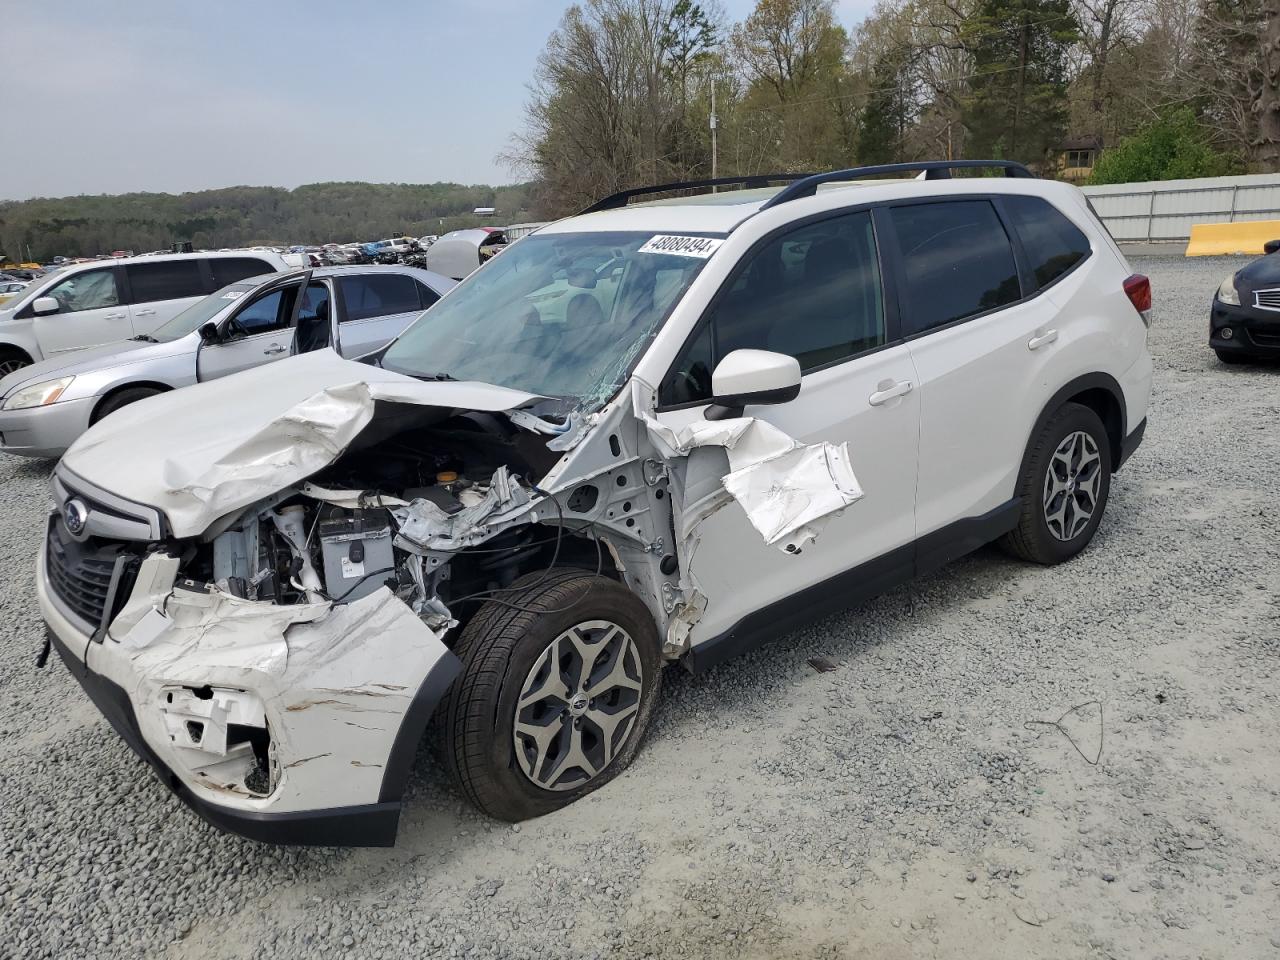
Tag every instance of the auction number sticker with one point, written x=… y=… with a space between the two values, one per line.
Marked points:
x=700 y=247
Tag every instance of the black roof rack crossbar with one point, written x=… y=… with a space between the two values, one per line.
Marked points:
x=621 y=198
x=933 y=170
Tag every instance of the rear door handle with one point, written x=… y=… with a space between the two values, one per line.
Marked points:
x=113 y=316
x=889 y=389
x=274 y=348
x=1042 y=339
x=144 y=313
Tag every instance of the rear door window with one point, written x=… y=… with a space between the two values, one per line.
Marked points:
x=165 y=280
x=379 y=295
x=1052 y=243
x=230 y=269
x=957 y=261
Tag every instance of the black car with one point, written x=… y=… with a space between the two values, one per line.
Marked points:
x=1244 y=322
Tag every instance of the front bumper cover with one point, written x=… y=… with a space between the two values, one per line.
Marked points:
x=298 y=814
x=369 y=825
x=1255 y=333
x=44 y=431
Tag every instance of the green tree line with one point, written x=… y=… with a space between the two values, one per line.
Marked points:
x=244 y=216
x=622 y=93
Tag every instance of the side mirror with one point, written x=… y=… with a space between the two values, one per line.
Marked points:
x=752 y=376
x=43 y=305
x=208 y=332
x=1271 y=246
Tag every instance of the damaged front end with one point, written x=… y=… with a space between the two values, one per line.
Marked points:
x=267 y=614
x=277 y=661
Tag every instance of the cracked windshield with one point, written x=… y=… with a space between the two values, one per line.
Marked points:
x=560 y=315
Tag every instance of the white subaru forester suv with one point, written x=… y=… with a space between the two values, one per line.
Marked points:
x=654 y=432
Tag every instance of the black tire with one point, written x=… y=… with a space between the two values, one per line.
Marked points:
x=1033 y=539
x=11 y=360
x=499 y=648
x=122 y=399
x=1231 y=359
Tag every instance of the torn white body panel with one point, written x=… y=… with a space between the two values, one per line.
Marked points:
x=786 y=488
x=329 y=685
x=305 y=412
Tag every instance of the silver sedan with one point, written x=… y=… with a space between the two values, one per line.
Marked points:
x=44 y=407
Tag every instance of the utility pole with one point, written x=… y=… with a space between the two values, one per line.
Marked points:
x=714 y=123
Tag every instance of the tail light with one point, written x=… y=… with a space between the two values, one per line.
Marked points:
x=1138 y=289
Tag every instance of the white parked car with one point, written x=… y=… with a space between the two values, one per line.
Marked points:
x=99 y=302
x=737 y=413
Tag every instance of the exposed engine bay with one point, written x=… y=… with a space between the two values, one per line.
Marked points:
x=414 y=511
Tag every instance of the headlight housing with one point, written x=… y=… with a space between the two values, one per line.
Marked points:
x=1227 y=293
x=38 y=394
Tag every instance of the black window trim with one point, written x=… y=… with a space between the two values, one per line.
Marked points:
x=892 y=328
x=1025 y=280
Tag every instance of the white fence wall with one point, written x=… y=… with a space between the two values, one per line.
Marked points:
x=1166 y=209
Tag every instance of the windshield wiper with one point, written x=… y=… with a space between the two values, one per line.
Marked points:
x=145 y=338
x=434 y=376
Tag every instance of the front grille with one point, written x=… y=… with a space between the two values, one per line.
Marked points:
x=1267 y=299
x=80 y=573
x=1265 y=339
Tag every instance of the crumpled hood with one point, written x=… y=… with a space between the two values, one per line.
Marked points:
x=89 y=359
x=201 y=452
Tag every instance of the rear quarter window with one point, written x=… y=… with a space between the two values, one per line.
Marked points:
x=230 y=269
x=165 y=280
x=1053 y=244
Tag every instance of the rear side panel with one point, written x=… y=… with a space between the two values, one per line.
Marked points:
x=985 y=382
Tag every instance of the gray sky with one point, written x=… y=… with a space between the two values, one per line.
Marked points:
x=155 y=95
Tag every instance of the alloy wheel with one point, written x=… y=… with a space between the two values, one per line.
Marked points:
x=1071 y=486
x=578 y=705
x=9 y=366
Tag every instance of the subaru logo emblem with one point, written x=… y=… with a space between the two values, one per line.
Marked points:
x=75 y=515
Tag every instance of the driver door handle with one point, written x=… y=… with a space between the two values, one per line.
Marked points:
x=888 y=390
x=113 y=316
x=1042 y=339
x=274 y=348
x=144 y=313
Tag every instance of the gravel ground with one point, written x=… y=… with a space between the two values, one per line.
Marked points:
x=898 y=806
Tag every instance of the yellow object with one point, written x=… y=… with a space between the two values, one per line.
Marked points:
x=1217 y=239
x=446 y=476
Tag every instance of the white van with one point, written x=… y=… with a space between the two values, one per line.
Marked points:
x=104 y=301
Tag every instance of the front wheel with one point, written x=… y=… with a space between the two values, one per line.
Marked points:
x=11 y=360
x=559 y=678
x=1064 y=487
x=122 y=398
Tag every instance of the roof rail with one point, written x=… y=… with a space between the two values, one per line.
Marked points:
x=933 y=170
x=619 y=199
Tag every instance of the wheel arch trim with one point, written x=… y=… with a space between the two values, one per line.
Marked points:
x=1089 y=383
x=158 y=385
